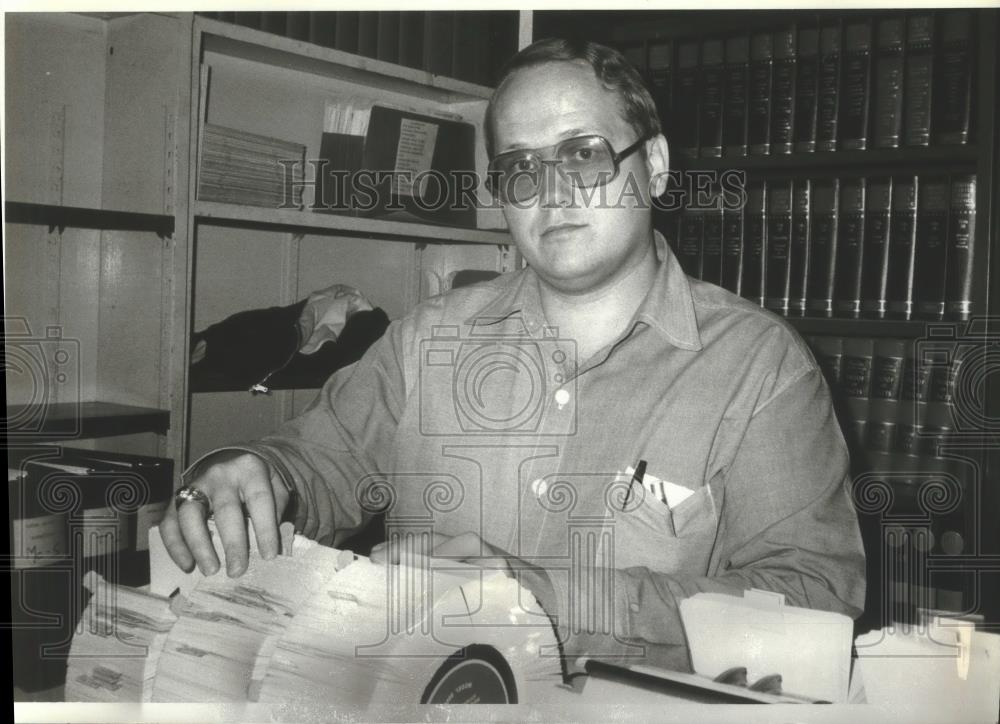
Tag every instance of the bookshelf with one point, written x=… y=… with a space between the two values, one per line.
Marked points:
x=910 y=97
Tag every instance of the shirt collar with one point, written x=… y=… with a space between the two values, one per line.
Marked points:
x=668 y=307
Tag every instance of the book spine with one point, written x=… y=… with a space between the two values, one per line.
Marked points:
x=754 y=284
x=828 y=100
x=932 y=245
x=760 y=95
x=961 y=246
x=856 y=377
x=902 y=247
x=829 y=354
x=691 y=243
x=734 y=126
x=806 y=90
x=850 y=248
x=779 y=232
x=800 y=246
x=687 y=97
x=889 y=83
x=886 y=392
x=732 y=249
x=953 y=91
x=822 y=259
x=783 y=103
x=856 y=97
x=660 y=59
x=712 y=72
x=918 y=84
x=875 y=272
x=712 y=257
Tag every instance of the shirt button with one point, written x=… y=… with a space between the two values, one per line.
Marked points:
x=539 y=487
x=562 y=397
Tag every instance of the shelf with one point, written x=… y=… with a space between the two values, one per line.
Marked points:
x=60 y=217
x=84 y=420
x=907 y=328
x=298 y=55
x=315 y=222
x=842 y=162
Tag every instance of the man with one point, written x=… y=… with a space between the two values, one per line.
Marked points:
x=506 y=418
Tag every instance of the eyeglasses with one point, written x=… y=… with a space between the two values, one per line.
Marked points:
x=584 y=161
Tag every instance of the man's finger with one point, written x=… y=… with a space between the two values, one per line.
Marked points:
x=170 y=532
x=191 y=518
x=465 y=545
x=231 y=525
x=260 y=506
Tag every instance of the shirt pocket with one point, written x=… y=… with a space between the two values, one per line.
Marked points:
x=641 y=534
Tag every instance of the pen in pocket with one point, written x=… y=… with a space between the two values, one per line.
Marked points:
x=637 y=476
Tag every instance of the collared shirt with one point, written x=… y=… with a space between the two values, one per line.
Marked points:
x=473 y=414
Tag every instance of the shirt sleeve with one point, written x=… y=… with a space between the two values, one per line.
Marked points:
x=787 y=525
x=329 y=453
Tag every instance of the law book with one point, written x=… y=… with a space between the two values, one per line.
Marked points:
x=939 y=421
x=902 y=247
x=784 y=91
x=687 y=97
x=878 y=228
x=850 y=248
x=800 y=246
x=828 y=100
x=953 y=84
x=806 y=90
x=855 y=99
x=886 y=394
x=712 y=256
x=779 y=231
x=913 y=397
x=734 y=125
x=856 y=383
x=660 y=59
x=760 y=94
x=732 y=249
x=918 y=82
x=822 y=259
x=929 y=272
x=712 y=78
x=829 y=354
x=691 y=242
x=961 y=246
x=753 y=285
x=889 y=82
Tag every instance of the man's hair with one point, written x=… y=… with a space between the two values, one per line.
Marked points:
x=610 y=67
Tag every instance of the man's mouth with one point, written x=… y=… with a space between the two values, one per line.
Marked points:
x=558 y=229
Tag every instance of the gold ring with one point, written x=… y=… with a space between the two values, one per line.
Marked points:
x=187 y=493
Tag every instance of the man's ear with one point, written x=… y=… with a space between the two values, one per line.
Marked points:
x=657 y=164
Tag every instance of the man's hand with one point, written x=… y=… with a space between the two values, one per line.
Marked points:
x=237 y=484
x=470 y=548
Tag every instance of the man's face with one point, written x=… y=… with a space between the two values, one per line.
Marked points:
x=574 y=245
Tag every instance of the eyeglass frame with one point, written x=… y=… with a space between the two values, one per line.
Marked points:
x=616 y=158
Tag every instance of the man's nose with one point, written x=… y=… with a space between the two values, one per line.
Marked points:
x=554 y=188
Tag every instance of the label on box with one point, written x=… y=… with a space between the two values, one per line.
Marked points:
x=38 y=541
x=104 y=531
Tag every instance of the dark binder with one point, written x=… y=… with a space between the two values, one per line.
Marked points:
x=806 y=90
x=850 y=248
x=784 y=92
x=734 y=126
x=822 y=259
x=712 y=256
x=732 y=249
x=961 y=246
x=800 y=247
x=438 y=39
x=856 y=93
x=712 y=71
x=875 y=271
x=953 y=86
x=889 y=83
x=411 y=39
x=779 y=230
x=661 y=81
x=828 y=101
x=760 y=96
x=685 y=125
x=929 y=271
x=754 y=284
x=918 y=83
x=691 y=243
x=902 y=247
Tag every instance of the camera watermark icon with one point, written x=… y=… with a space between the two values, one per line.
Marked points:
x=494 y=383
x=43 y=371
